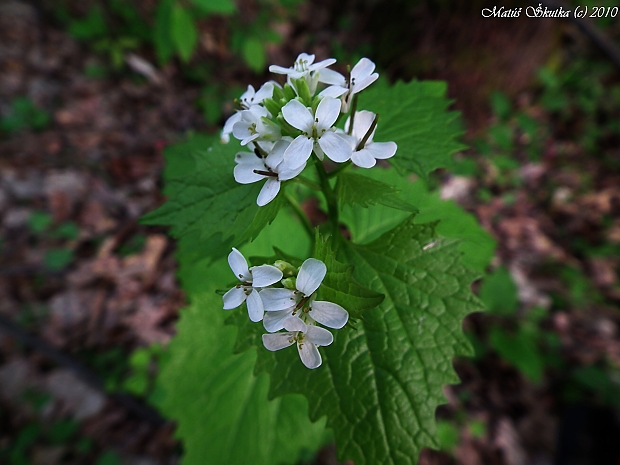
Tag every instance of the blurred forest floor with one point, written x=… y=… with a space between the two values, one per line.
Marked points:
x=81 y=141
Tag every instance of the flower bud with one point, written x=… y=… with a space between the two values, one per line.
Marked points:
x=272 y=106
x=289 y=92
x=286 y=268
x=301 y=86
x=289 y=283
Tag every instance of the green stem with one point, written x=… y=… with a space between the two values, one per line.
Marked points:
x=301 y=215
x=307 y=183
x=340 y=169
x=352 y=114
x=332 y=201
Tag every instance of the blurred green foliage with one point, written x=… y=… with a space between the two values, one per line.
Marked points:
x=24 y=113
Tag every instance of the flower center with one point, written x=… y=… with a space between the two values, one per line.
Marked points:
x=301 y=66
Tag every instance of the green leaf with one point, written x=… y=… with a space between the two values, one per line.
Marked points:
x=355 y=189
x=499 y=292
x=414 y=116
x=184 y=32
x=58 y=259
x=380 y=384
x=501 y=104
x=67 y=230
x=254 y=54
x=108 y=458
x=205 y=203
x=229 y=417
x=222 y=7
x=92 y=26
x=162 y=38
x=366 y=224
x=339 y=286
x=39 y=221
x=519 y=350
x=448 y=436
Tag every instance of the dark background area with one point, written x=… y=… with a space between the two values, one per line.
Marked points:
x=91 y=92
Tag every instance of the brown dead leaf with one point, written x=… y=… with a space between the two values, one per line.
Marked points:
x=95 y=218
x=525 y=238
x=147 y=319
x=144 y=265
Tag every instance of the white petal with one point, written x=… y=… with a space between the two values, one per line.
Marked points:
x=361 y=124
x=276 y=155
x=266 y=91
x=363 y=68
x=241 y=131
x=248 y=95
x=334 y=78
x=275 y=299
x=309 y=355
x=361 y=84
x=298 y=152
x=280 y=69
x=318 y=151
x=233 y=298
x=309 y=59
x=268 y=192
x=239 y=265
x=274 y=321
x=265 y=275
x=319 y=336
x=336 y=147
x=363 y=158
x=382 y=150
x=322 y=64
x=333 y=92
x=295 y=324
x=228 y=125
x=285 y=173
x=244 y=171
x=246 y=157
x=255 y=306
x=329 y=314
x=327 y=112
x=298 y=116
x=255 y=113
x=278 y=341
x=311 y=275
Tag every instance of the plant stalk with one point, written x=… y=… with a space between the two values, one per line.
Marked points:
x=301 y=215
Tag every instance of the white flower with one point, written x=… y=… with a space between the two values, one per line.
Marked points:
x=282 y=304
x=304 y=65
x=304 y=68
x=255 y=124
x=251 y=279
x=252 y=168
x=249 y=98
x=317 y=133
x=362 y=76
x=307 y=337
x=367 y=156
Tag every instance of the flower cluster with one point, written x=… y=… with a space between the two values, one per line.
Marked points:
x=286 y=124
x=292 y=307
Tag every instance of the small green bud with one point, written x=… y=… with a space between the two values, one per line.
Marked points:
x=289 y=283
x=290 y=130
x=286 y=268
x=302 y=90
x=315 y=103
x=272 y=106
x=289 y=92
x=278 y=93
